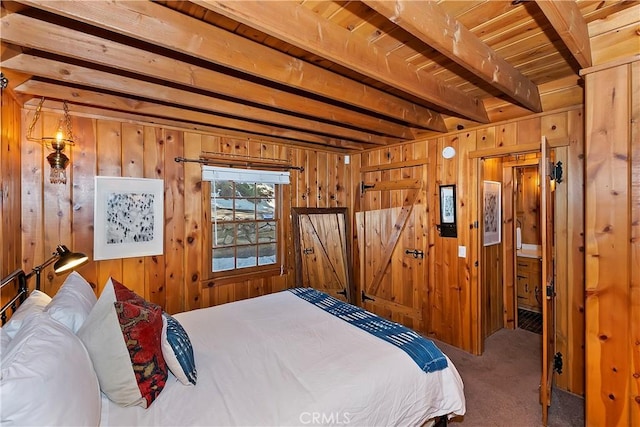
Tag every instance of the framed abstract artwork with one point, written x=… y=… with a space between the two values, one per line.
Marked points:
x=128 y=217
x=492 y=213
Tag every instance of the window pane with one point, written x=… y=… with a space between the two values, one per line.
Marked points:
x=224 y=235
x=266 y=232
x=247 y=256
x=267 y=254
x=265 y=190
x=222 y=189
x=266 y=209
x=246 y=233
x=245 y=189
x=245 y=210
x=223 y=259
x=222 y=209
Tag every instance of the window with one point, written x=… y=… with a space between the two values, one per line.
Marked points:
x=245 y=219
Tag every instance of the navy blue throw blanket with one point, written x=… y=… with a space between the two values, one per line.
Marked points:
x=423 y=351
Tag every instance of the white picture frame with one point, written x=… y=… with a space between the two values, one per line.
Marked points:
x=128 y=217
x=492 y=213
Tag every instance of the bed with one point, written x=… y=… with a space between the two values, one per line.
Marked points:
x=271 y=360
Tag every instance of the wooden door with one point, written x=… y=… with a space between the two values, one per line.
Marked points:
x=322 y=250
x=392 y=226
x=548 y=291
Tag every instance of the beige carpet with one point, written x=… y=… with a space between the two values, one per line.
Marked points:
x=501 y=385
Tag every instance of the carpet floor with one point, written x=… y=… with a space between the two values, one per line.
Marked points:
x=501 y=386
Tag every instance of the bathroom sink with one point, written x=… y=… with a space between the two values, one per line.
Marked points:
x=529 y=251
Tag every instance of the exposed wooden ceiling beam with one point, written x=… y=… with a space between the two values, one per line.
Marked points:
x=161 y=26
x=150 y=109
x=300 y=27
x=428 y=22
x=97 y=112
x=79 y=75
x=565 y=17
x=37 y=34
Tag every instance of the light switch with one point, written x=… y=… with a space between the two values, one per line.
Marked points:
x=347 y=159
x=462 y=251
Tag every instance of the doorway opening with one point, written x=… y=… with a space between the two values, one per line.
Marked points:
x=528 y=247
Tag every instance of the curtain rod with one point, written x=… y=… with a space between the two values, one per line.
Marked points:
x=235 y=162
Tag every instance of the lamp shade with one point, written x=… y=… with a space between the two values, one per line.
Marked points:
x=67 y=259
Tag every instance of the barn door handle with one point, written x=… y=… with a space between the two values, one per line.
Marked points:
x=343 y=292
x=307 y=251
x=415 y=252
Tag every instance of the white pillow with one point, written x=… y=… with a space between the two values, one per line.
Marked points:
x=73 y=302
x=35 y=303
x=48 y=378
x=106 y=341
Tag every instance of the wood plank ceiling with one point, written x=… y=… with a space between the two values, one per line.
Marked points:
x=347 y=75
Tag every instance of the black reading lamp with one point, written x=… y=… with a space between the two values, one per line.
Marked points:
x=66 y=260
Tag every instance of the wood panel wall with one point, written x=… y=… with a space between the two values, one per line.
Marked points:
x=10 y=190
x=10 y=205
x=456 y=293
x=612 y=196
x=53 y=213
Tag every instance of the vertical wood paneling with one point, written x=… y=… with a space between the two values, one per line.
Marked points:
x=608 y=294
x=133 y=271
x=154 y=267
x=467 y=183
x=109 y=155
x=192 y=219
x=575 y=255
x=56 y=209
x=635 y=244
x=10 y=185
x=32 y=197
x=528 y=131
x=84 y=170
x=174 y=230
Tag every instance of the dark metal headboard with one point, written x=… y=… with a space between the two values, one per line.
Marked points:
x=20 y=278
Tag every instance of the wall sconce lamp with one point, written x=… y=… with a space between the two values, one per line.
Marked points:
x=66 y=260
x=63 y=137
x=555 y=172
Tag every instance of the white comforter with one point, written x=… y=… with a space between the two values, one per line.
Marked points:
x=278 y=360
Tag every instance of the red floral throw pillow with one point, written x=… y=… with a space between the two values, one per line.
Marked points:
x=123 y=335
x=141 y=328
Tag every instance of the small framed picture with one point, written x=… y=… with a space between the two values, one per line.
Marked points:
x=128 y=217
x=492 y=213
x=447 y=226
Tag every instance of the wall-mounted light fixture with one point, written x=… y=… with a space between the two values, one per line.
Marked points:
x=65 y=260
x=63 y=137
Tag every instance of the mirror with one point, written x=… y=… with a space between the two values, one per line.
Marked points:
x=322 y=248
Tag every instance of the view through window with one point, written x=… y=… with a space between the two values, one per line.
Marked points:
x=244 y=219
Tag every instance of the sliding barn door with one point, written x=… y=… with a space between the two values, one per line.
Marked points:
x=392 y=226
x=322 y=250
